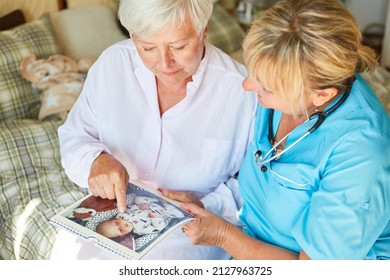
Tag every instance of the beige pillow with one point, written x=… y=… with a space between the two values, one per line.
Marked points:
x=85 y=32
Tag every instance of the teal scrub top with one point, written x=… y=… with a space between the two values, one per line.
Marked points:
x=330 y=194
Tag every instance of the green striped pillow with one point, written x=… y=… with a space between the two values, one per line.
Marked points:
x=18 y=98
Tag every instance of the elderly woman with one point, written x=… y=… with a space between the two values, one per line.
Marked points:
x=164 y=107
x=316 y=178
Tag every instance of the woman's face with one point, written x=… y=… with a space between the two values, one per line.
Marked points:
x=173 y=55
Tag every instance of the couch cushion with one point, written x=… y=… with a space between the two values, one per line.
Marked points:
x=33 y=187
x=85 y=32
x=224 y=31
x=18 y=99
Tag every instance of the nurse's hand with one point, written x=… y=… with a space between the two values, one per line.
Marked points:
x=207 y=228
x=108 y=178
x=184 y=197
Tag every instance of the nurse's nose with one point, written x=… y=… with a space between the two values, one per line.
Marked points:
x=249 y=85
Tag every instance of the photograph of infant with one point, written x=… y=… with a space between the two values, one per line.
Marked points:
x=147 y=217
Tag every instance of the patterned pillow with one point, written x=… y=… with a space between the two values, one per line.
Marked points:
x=224 y=31
x=33 y=187
x=18 y=99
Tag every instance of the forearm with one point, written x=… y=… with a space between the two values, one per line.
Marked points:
x=77 y=158
x=212 y=230
x=244 y=247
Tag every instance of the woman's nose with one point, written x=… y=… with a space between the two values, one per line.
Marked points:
x=166 y=58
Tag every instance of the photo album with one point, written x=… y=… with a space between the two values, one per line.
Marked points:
x=148 y=218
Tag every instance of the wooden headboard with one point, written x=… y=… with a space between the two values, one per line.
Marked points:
x=32 y=9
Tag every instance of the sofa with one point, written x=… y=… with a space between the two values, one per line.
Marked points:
x=33 y=185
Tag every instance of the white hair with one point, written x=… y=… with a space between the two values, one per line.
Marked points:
x=148 y=17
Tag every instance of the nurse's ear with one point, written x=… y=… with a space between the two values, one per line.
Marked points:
x=324 y=96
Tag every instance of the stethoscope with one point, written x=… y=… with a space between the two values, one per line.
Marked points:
x=273 y=153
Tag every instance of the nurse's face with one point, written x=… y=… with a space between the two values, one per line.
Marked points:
x=173 y=55
x=266 y=98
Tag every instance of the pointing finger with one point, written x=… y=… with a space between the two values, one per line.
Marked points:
x=120 y=193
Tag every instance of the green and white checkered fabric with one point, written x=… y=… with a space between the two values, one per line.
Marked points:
x=18 y=99
x=33 y=188
x=224 y=31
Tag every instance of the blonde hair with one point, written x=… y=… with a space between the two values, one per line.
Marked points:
x=300 y=46
x=148 y=17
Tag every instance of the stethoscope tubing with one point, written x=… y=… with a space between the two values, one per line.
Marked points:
x=321 y=118
x=274 y=147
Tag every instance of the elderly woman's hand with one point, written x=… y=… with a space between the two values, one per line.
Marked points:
x=207 y=228
x=108 y=178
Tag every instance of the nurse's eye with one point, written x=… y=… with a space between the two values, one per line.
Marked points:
x=264 y=89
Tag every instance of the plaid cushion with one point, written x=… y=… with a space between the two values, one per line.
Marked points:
x=18 y=99
x=33 y=187
x=224 y=31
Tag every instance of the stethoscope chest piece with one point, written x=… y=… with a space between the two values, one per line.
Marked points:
x=258 y=154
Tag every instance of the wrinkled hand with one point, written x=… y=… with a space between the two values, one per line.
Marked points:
x=184 y=197
x=108 y=178
x=207 y=228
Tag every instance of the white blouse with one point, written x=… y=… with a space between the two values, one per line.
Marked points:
x=197 y=145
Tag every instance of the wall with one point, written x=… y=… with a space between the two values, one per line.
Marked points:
x=368 y=11
x=32 y=9
x=385 y=61
x=374 y=11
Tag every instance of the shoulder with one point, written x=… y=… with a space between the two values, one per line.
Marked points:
x=117 y=60
x=119 y=52
x=361 y=113
x=124 y=45
x=367 y=104
x=222 y=62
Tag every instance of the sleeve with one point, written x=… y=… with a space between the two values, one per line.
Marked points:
x=79 y=136
x=224 y=201
x=351 y=208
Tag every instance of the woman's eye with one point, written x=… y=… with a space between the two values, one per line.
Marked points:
x=178 y=48
x=148 y=48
